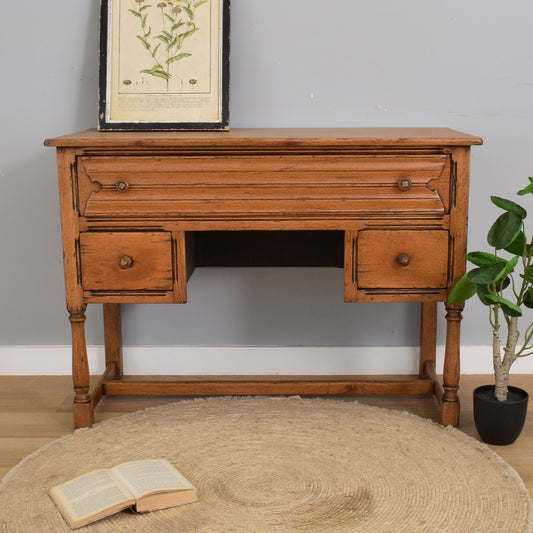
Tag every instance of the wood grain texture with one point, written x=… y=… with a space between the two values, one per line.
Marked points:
x=288 y=138
x=428 y=336
x=264 y=186
x=126 y=261
x=402 y=259
x=113 y=338
x=254 y=385
x=83 y=407
x=134 y=206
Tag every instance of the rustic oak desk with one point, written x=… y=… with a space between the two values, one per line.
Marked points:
x=140 y=210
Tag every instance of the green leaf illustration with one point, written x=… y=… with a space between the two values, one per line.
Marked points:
x=188 y=33
x=177 y=25
x=189 y=12
x=178 y=57
x=156 y=31
x=158 y=73
x=154 y=68
x=144 y=41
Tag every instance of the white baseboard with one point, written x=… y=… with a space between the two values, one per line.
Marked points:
x=260 y=360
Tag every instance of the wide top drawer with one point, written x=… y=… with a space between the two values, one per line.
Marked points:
x=264 y=186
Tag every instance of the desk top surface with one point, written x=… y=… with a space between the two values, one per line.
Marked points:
x=330 y=138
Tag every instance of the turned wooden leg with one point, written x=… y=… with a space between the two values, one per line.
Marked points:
x=113 y=338
x=83 y=405
x=428 y=336
x=450 y=400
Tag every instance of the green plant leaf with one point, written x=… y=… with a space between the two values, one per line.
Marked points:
x=199 y=3
x=177 y=25
x=528 y=299
x=502 y=284
x=136 y=13
x=509 y=308
x=178 y=57
x=510 y=266
x=487 y=274
x=517 y=245
x=504 y=230
x=462 y=290
x=145 y=7
x=172 y=19
x=481 y=258
x=163 y=38
x=508 y=205
x=482 y=292
x=528 y=274
x=528 y=189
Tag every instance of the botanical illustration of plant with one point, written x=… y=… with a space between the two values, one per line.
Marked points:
x=164 y=28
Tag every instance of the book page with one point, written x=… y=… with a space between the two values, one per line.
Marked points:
x=88 y=495
x=153 y=475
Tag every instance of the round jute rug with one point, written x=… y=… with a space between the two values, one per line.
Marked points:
x=284 y=465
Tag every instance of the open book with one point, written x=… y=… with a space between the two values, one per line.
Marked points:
x=140 y=485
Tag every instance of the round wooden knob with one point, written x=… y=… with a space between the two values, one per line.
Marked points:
x=403 y=260
x=404 y=184
x=125 y=262
x=122 y=185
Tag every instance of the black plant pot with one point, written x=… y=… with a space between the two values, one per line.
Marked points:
x=498 y=422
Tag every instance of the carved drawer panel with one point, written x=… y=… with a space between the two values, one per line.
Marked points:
x=126 y=261
x=402 y=259
x=264 y=186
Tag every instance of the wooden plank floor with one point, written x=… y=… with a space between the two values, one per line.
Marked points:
x=37 y=409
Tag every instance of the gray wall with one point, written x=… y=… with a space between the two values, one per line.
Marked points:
x=465 y=65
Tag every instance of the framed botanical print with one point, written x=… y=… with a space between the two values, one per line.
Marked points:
x=164 y=65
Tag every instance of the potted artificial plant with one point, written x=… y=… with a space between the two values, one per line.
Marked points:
x=503 y=281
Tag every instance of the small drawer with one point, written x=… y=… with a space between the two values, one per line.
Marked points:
x=402 y=259
x=127 y=261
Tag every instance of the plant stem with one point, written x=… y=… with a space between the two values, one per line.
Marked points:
x=502 y=367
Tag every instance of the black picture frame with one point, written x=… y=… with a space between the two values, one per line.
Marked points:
x=143 y=104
